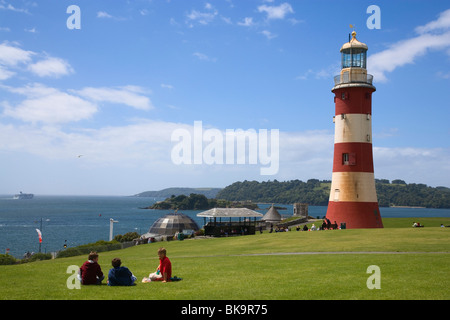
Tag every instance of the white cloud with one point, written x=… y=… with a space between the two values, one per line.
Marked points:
x=203 y=18
x=247 y=22
x=130 y=95
x=415 y=165
x=103 y=14
x=11 y=55
x=48 y=105
x=51 y=67
x=443 y=75
x=407 y=51
x=276 y=12
x=106 y=15
x=10 y=7
x=226 y=20
x=443 y=22
x=324 y=73
x=137 y=144
x=5 y=73
x=269 y=35
x=204 y=57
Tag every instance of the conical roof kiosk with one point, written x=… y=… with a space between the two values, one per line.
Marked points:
x=272 y=215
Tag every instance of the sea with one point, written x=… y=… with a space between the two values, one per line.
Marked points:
x=77 y=220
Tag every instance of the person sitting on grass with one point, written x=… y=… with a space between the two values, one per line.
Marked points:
x=120 y=276
x=91 y=272
x=164 y=271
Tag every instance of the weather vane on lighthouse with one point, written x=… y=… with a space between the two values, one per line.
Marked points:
x=353 y=199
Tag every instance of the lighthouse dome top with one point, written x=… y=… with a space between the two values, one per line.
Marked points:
x=354 y=43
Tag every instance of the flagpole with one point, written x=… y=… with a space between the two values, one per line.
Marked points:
x=111 y=222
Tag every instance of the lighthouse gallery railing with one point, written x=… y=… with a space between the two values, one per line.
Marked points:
x=357 y=78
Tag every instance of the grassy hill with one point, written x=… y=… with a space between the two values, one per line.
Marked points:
x=291 y=265
x=316 y=192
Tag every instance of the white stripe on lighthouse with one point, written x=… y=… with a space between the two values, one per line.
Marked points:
x=353 y=127
x=353 y=186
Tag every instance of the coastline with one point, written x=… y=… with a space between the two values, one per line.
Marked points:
x=412 y=207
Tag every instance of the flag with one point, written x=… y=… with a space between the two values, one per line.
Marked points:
x=40 y=235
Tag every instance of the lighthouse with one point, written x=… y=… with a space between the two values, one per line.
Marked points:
x=353 y=197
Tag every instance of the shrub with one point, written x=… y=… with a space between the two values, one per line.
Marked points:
x=130 y=236
x=7 y=259
x=38 y=256
x=85 y=249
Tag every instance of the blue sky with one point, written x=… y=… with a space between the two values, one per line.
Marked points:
x=93 y=110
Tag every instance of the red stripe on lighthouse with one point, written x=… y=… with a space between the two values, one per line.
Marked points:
x=359 y=157
x=355 y=214
x=353 y=100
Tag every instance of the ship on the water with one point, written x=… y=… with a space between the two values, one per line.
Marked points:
x=23 y=196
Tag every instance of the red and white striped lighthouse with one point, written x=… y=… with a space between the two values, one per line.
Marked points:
x=353 y=197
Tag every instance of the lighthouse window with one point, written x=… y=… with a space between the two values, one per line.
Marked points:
x=354 y=58
x=346 y=60
x=345 y=158
x=349 y=159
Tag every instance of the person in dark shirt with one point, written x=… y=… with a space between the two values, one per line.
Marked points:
x=120 y=276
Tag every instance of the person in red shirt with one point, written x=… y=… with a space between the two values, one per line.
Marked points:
x=164 y=271
x=165 y=266
x=91 y=272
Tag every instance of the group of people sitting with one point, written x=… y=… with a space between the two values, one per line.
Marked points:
x=326 y=224
x=91 y=272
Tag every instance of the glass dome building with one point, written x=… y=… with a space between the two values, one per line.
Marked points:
x=172 y=223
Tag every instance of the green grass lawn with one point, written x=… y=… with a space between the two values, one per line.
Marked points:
x=331 y=264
